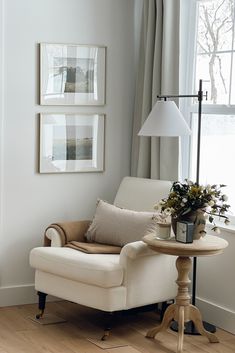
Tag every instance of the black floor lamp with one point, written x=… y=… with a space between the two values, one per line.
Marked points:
x=165 y=119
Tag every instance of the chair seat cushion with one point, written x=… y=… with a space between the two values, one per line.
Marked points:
x=102 y=270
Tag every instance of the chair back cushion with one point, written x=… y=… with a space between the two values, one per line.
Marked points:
x=140 y=194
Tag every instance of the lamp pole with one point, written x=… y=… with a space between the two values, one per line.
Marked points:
x=189 y=327
x=199 y=127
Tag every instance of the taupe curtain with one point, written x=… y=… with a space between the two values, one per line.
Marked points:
x=158 y=73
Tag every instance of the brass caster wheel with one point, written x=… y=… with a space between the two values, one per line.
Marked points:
x=40 y=315
x=106 y=335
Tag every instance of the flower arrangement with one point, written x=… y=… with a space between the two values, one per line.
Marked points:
x=189 y=196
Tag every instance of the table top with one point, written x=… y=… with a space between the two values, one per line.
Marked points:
x=208 y=245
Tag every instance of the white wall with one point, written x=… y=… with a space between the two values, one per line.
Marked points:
x=216 y=285
x=30 y=201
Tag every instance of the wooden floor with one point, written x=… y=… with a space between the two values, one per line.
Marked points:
x=19 y=334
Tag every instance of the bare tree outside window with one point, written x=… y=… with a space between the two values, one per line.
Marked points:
x=215 y=45
x=215 y=65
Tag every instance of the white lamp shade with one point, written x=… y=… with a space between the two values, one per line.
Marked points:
x=165 y=119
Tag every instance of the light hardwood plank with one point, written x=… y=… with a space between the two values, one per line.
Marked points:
x=18 y=334
x=82 y=346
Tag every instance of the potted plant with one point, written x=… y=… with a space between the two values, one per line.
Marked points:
x=195 y=203
x=163 y=225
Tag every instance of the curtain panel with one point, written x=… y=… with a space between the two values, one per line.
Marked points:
x=158 y=73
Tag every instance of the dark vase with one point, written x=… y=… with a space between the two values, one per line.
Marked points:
x=197 y=217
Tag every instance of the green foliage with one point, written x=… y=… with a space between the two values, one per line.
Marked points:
x=189 y=196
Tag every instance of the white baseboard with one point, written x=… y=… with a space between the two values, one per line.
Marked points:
x=217 y=315
x=18 y=295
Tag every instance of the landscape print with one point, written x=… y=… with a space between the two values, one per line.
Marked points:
x=73 y=75
x=72 y=142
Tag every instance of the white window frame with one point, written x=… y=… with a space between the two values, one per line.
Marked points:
x=187 y=75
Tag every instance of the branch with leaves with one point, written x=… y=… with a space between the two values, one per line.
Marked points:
x=189 y=197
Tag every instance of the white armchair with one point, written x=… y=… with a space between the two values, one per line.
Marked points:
x=110 y=282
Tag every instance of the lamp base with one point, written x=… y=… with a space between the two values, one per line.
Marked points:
x=190 y=328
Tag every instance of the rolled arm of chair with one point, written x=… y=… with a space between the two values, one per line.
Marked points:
x=134 y=250
x=58 y=234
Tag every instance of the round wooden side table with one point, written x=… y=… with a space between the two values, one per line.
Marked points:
x=182 y=311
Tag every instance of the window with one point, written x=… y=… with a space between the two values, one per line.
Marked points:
x=214 y=63
x=215 y=49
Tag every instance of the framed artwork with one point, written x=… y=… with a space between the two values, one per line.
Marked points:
x=71 y=143
x=72 y=74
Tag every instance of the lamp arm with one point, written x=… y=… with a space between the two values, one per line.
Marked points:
x=178 y=96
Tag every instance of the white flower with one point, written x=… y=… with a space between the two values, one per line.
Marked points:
x=211 y=203
x=208 y=187
x=167 y=211
x=182 y=204
x=157 y=207
x=185 y=200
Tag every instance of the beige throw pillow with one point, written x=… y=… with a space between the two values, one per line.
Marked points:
x=116 y=226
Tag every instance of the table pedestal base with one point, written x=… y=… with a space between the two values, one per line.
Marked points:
x=190 y=329
x=182 y=311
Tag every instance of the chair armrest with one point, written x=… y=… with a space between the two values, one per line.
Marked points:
x=52 y=238
x=134 y=250
x=58 y=234
x=149 y=276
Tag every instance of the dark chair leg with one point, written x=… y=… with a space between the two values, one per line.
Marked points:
x=108 y=326
x=41 y=304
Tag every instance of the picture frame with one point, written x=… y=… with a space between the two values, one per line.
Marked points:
x=72 y=74
x=71 y=143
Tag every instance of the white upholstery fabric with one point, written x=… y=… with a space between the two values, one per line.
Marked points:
x=141 y=194
x=143 y=284
x=149 y=279
x=136 y=249
x=136 y=277
x=107 y=299
x=54 y=236
x=98 y=269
